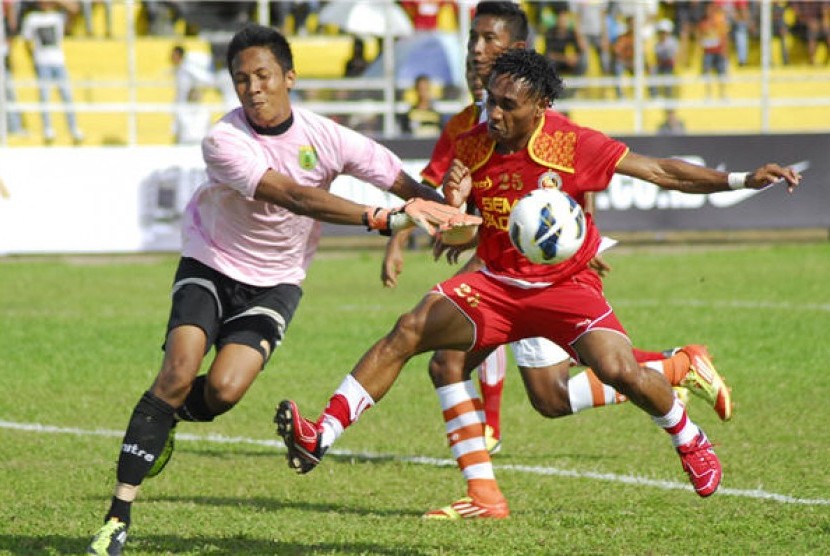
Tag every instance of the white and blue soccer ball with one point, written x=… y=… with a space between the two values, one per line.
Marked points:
x=547 y=226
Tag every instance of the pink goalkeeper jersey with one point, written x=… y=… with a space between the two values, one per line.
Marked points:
x=260 y=243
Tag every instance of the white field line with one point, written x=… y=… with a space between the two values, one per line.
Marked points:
x=437 y=462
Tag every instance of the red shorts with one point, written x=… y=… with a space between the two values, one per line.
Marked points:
x=502 y=312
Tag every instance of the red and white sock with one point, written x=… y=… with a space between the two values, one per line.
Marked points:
x=491 y=383
x=464 y=421
x=677 y=423
x=347 y=404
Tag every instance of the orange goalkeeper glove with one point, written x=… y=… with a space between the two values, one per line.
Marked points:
x=425 y=214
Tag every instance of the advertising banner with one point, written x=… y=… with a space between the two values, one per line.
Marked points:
x=122 y=199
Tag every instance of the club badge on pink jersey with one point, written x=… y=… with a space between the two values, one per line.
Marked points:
x=307 y=157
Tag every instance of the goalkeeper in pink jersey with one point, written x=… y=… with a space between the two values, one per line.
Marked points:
x=523 y=146
x=249 y=234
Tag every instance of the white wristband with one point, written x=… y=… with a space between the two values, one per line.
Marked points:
x=737 y=180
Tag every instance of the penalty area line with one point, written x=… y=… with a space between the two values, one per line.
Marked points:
x=757 y=494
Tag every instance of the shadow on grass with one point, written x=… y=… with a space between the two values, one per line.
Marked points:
x=166 y=544
x=520 y=457
x=272 y=505
x=278 y=455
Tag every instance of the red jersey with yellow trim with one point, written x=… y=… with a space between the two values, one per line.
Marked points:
x=444 y=150
x=560 y=154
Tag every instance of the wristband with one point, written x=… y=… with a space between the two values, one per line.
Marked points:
x=737 y=180
x=378 y=218
x=371 y=218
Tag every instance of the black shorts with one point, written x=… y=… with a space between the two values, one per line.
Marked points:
x=229 y=311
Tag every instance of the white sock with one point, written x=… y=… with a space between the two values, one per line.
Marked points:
x=677 y=423
x=581 y=395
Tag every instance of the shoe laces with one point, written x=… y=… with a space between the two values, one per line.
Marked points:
x=699 y=451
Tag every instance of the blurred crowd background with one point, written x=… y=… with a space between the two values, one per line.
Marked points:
x=151 y=72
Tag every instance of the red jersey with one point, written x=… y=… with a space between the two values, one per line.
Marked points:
x=559 y=154
x=444 y=150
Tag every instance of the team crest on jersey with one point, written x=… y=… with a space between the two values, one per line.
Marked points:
x=483 y=185
x=550 y=180
x=307 y=157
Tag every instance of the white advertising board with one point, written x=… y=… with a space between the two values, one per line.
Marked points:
x=111 y=199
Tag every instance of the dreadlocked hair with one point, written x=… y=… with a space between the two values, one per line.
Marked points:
x=534 y=69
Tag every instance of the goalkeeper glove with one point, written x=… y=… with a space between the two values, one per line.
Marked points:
x=425 y=214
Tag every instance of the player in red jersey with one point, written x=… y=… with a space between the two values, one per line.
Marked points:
x=523 y=146
x=497 y=27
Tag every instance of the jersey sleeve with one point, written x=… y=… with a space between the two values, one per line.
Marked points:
x=596 y=159
x=440 y=161
x=234 y=159
x=364 y=158
x=444 y=150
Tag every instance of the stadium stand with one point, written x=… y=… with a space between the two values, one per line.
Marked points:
x=796 y=95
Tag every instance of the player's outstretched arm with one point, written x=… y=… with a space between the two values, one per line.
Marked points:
x=407 y=188
x=313 y=202
x=324 y=206
x=676 y=174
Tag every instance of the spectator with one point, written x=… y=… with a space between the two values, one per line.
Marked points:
x=161 y=16
x=813 y=25
x=88 y=7
x=357 y=64
x=190 y=70
x=623 y=50
x=665 y=58
x=544 y=14
x=214 y=16
x=713 y=31
x=566 y=47
x=14 y=120
x=672 y=125
x=192 y=119
x=781 y=30
x=590 y=17
x=422 y=119
x=650 y=8
x=687 y=16
x=737 y=13
x=424 y=13
x=43 y=28
x=368 y=124
x=300 y=11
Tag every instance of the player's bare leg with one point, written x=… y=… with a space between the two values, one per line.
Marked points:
x=609 y=355
x=435 y=323
x=553 y=392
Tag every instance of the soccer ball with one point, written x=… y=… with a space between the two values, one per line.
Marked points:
x=547 y=226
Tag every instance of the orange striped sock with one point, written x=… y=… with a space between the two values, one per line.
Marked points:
x=464 y=420
x=586 y=391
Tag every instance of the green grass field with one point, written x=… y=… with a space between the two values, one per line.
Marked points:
x=80 y=341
